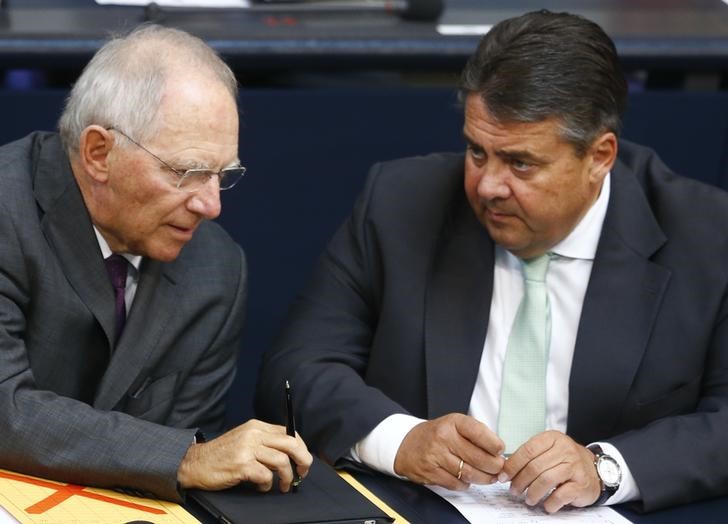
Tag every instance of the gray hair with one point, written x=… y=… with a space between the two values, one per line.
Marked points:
x=123 y=84
x=550 y=65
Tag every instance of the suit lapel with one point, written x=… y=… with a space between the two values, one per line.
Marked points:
x=149 y=316
x=457 y=306
x=622 y=300
x=67 y=227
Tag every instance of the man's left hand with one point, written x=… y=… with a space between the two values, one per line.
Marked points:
x=552 y=467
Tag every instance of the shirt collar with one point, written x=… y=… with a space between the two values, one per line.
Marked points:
x=583 y=240
x=134 y=260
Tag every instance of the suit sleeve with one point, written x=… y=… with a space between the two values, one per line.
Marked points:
x=52 y=436
x=324 y=347
x=675 y=420
x=681 y=458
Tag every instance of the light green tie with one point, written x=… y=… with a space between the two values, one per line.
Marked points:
x=523 y=388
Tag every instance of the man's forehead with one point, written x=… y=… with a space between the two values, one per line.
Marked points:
x=477 y=109
x=511 y=135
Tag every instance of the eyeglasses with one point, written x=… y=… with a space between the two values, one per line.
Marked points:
x=193 y=180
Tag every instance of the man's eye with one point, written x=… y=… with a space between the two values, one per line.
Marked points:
x=476 y=152
x=520 y=166
x=174 y=170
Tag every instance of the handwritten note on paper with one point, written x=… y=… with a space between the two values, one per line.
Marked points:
x=495 y=504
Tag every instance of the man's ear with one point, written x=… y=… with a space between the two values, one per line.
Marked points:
x=603 y=153
x=94 y=146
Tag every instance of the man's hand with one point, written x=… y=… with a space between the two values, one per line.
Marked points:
x=552 y=465
x=431 y=453
x=251 y=452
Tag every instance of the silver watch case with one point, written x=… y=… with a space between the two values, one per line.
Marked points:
x=608 y=470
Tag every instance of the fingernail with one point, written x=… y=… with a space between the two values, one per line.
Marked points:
x=503 y=477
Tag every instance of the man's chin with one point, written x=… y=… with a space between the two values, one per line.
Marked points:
x=516 y=246
x=502 y=235
x=166 y=253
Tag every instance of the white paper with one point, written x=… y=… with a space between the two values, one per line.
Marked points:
x=494 y=504
x=466 y=29
x=179 y=3
x=6 y=518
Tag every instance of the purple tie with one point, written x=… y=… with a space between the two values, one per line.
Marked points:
x=117 y=265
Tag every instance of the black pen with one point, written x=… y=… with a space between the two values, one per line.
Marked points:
x=291 y=432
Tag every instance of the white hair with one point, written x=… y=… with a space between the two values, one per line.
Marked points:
x=123 y=84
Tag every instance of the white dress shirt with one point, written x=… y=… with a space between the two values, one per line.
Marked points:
x=132 y=275
x=567 y=280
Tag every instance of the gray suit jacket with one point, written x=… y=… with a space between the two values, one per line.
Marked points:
x=395 y=318
x=131 y=425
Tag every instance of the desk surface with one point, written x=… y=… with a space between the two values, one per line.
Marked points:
x=419 y=505
x=678 y=33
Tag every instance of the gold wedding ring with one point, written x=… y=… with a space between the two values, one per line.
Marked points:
x=460 y=469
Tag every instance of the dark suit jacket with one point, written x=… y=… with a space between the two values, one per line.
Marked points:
x=168 y=375
x=395 y=317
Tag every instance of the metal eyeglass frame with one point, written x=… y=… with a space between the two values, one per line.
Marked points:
x=192 y=174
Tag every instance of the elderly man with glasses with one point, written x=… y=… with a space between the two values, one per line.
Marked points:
x=121 y=303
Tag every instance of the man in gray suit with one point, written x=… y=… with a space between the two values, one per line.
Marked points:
x=111 y=384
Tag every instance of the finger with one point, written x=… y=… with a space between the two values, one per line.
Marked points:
x=564 y=495
x=259 y=475
x=524 y=455
x=472 y=475
x=301 y=456
x=448 y=479
x=538 y=466
x=303 y=469
x=279 y=462
x=546 y=482
x=459 y=472
x=448 y=473
x=294 y=447
x=474 y=443
x=486 y=464
x=480 y=435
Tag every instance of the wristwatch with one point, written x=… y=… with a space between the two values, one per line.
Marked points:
x=609 y=472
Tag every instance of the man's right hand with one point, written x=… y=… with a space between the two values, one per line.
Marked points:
x=431 y=453
x=251 y=452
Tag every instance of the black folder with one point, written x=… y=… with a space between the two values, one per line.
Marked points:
x=323 y=497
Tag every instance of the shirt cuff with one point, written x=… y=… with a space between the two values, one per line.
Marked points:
x=628 y=489
x=379 y=448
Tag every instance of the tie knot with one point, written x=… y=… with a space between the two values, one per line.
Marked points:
x=116 y=266
x=535 y=269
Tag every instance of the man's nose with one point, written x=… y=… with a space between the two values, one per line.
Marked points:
x=206 y=200
x=493 y=182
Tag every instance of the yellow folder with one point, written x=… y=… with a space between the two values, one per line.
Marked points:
x=39 y=501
